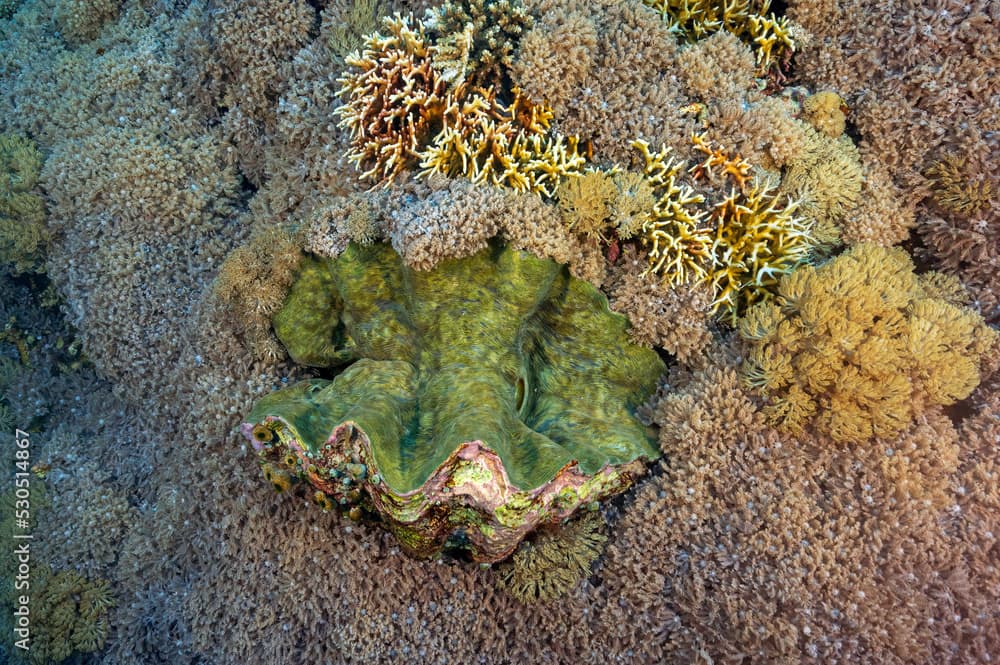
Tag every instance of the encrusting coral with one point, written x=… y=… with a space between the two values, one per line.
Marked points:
x=460 y=423
x=854 y=348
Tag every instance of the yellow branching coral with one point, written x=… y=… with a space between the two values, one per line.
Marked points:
x=487 y=141
x=679 y=242
x=696 y=19
x=758 y=239
x=854 y=347
x=394 y=99
x=554 y=561
x=741 y=247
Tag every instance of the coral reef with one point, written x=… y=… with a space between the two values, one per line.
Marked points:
x=825 y=112
x=82 y=20
x=248 y=46
x=8 y=7
x=346 y=24
x=179 y=131
x=855 y=347
x=827 y=178
x=458 y=424
x=486 y=141
x=828 y=536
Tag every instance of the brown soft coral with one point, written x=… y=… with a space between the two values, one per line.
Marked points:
x=796 y=549
x=253 y=284
x=675 y=318
x=855 y=347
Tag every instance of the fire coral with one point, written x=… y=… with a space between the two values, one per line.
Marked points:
x=394 y=98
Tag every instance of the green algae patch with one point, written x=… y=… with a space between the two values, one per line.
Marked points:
x=475 y=401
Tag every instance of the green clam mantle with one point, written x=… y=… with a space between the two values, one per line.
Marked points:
x=479 y=400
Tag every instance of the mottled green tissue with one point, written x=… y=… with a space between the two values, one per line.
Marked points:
x=501 y=347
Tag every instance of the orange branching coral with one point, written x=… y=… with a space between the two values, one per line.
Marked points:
x=394 y=97
x=719 y=161
x=758 y=239
x=854 y=347
x=679 y=242
x=488 y=141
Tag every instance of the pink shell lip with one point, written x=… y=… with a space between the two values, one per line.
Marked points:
x=424 y=504
x=246 y=429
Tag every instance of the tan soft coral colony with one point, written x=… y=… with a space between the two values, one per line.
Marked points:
x=789 y=211
x=857 y=347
